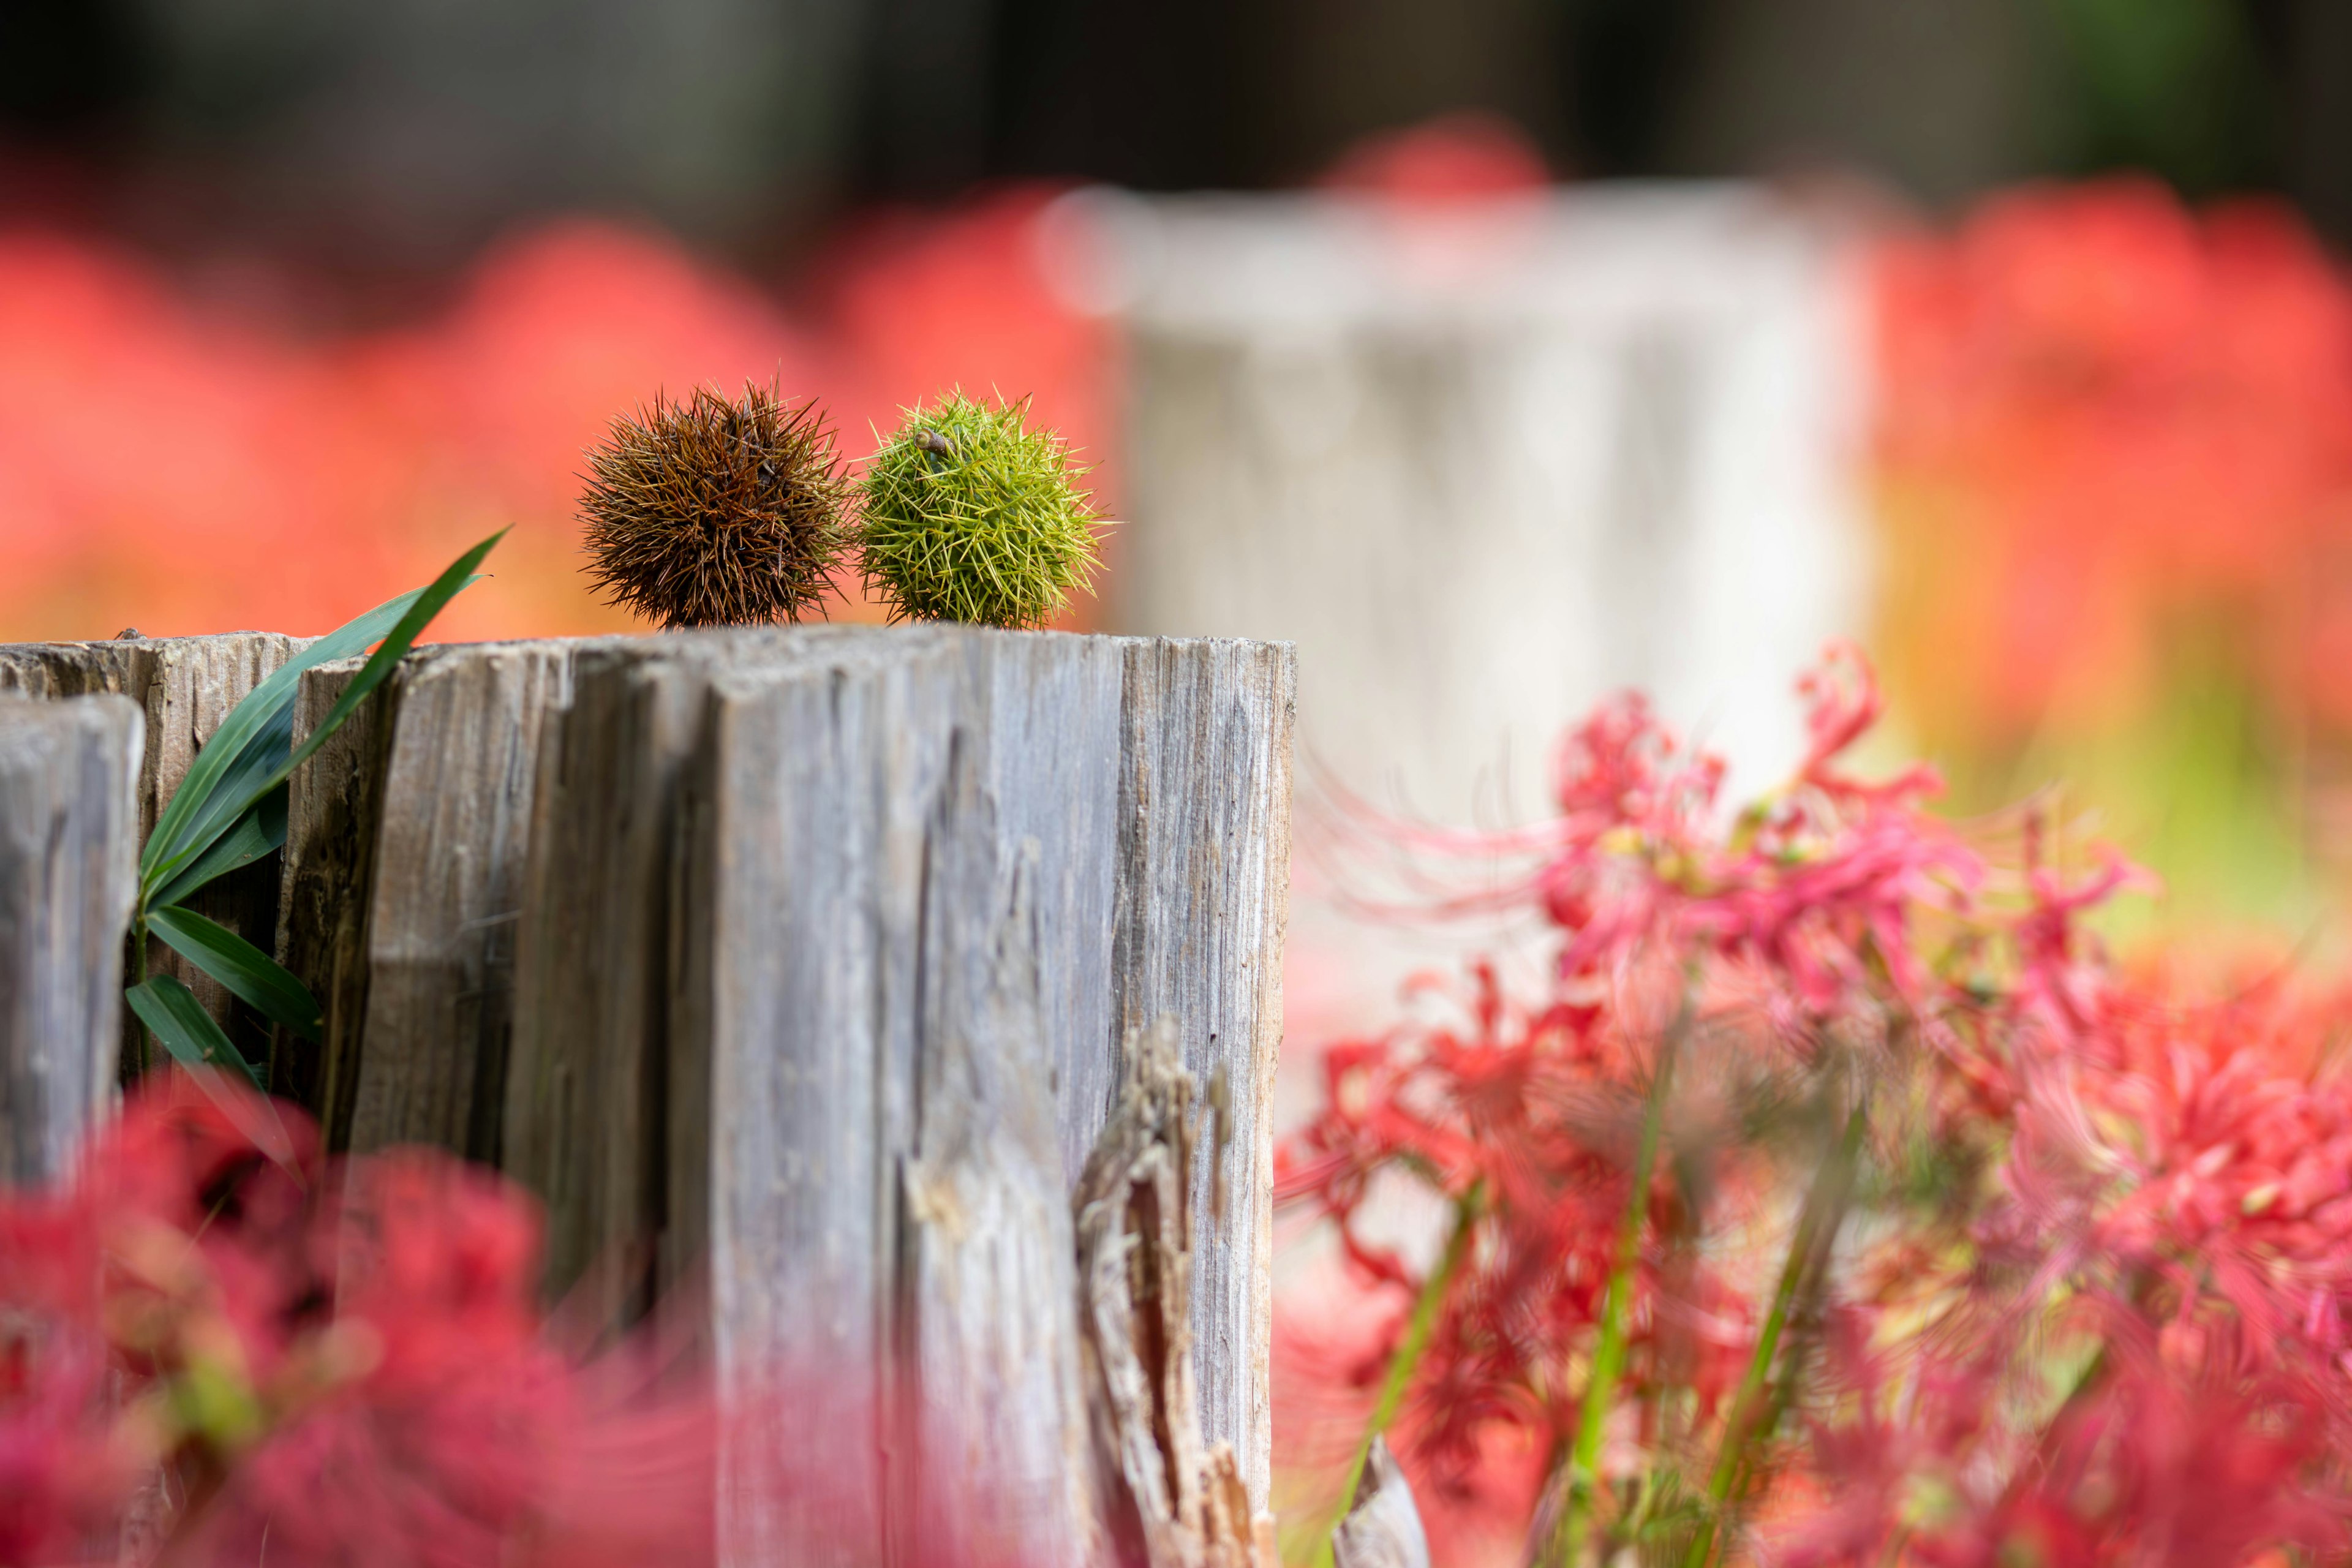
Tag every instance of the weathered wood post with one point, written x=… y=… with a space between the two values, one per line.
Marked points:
x=830 y=943
x=405 y=856
x=1490 y=464
x=183 y=687
x=801 y=969
x=69 y=866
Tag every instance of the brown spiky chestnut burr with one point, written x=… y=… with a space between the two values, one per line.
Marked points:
x=712 y=511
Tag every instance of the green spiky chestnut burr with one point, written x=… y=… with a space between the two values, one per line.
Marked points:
x=967 y=514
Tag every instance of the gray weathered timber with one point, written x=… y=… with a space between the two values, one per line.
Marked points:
x=1171 y=1499
x=826 y=942
x=185 y=687
x=445 y=895
x=406 y=858
x=1383 y=1528
x=69 y=867
x=896 y=897
x=585 y=1075
x=1204 y=893
x=332 y=804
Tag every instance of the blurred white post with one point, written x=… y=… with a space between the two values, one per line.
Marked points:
x=1485 y=464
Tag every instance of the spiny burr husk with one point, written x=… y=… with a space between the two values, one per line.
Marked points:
x=968 y=515
x=711 y=512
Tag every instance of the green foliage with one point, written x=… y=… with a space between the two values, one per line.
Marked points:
x=250 y=974
x=171 y=1011
x=230 y=810
x=2171 y=87
x=969 y=515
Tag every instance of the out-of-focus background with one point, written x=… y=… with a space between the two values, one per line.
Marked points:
x=1502 y=353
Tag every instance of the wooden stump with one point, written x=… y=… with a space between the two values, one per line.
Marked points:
x=830 y=941
x=898 y=853
x=406 y=840
x=184 y=687
x=1201 y=912
x=793 y=968
x=334 y=805
x=68 y=867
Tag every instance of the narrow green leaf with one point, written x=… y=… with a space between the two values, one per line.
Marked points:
x=230 y=800
x=256 y=834
x=394 y=647
x=1406 y=1359
x=249 y=974
x=187 y=1031
x=259 y=728
x=198 y=1044
x=1581 y=1475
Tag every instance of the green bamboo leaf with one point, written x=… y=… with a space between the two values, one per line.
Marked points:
x=394 y=647
x=256 y=833
x=171 y=1011
x=240 y=783
x=256 y=736
x=249 y=974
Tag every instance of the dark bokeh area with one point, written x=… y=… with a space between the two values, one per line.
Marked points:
x=394 y=138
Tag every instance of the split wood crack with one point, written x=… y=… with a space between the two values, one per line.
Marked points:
x=1173 y=1500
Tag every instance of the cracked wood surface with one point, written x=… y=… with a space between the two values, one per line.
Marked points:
x=891 y=874
x=1171 y=1499
x=183 y=687
x=778 y=883
x=824 y=942
x=406 y=839
x=69 y=867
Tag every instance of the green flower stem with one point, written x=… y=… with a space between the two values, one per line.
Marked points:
x=1409 y=1351
x=1823 y=1210
x=1609 y=1353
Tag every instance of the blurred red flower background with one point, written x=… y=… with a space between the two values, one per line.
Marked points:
x=2115 y=411
x=192 y=469
x=2113 y=455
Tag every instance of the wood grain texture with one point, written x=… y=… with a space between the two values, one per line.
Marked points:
x=825 y=945
x=445 y=894
x=585 y=1073
x=1204 y=894
x=184 y=687
x=1171 y=1499
x=332 y=804
x=406 y=836
x=69 y=869
x=894 y=857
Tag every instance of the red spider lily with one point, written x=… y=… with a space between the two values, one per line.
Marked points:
x=2099 y=410
x=335 y=1364
x=211 y=1356
x=2141 y=1462
x=2085 y=1249
x=2159 y=1470
x=1800 y=908
x=1813 y=889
